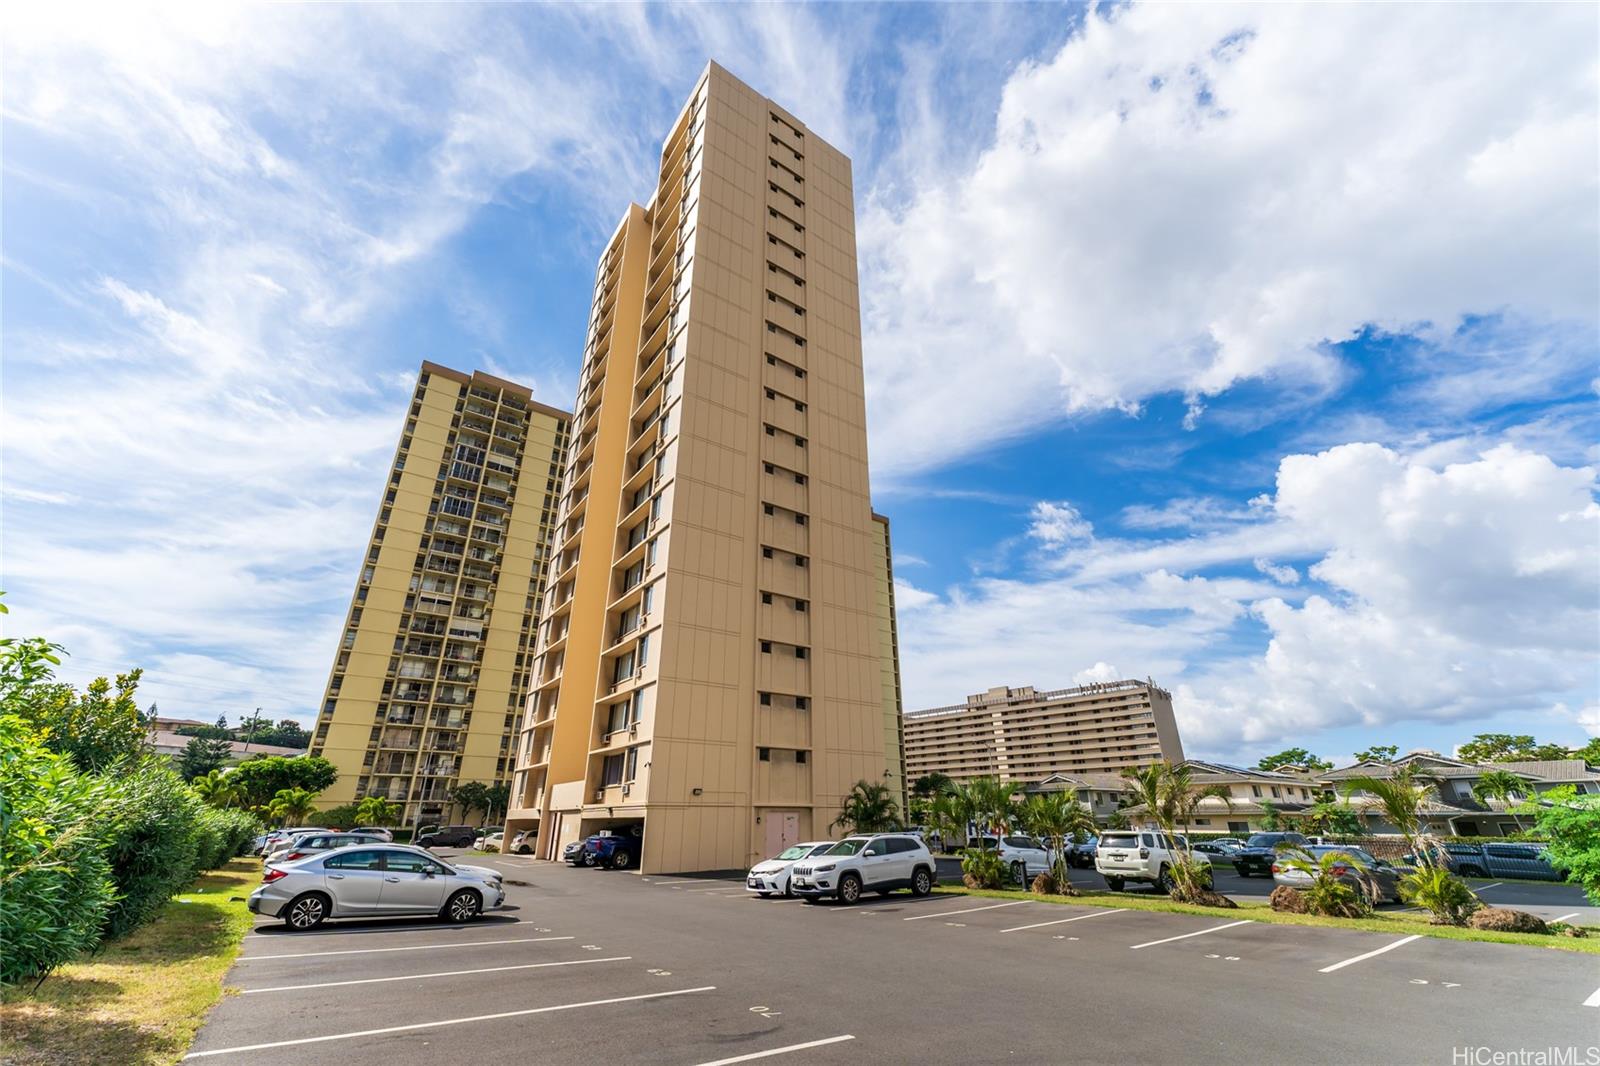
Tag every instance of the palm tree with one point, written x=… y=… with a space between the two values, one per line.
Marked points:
x=985 y=802
x=1401 y=797
x=1328 y=894
x=869 y=807
x=215 y=789
x=945 y=818
x=293 y=806
x=1170 y=798
x=375 y=810
x=1500 y=785
x=1057 y=816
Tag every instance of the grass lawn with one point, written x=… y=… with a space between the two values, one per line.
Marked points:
x=141 y=999
x=1259 y=911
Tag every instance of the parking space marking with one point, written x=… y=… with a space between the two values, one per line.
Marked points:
x=1359 y=958
x=1063 y=921
x=1495 y=884
x=1594 y=1000
x=1564 y=917
x=1186 y=936
x=447 y=1021
x=410 y=947
x=686 y=881
x=778 y=1051
x=969 y=910
x=410 y=927
x=426 y=976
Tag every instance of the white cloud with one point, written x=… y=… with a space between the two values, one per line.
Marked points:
x=1058 y=524
x=1441 y=593
x=1181 y=199
x=907 y=597
x=1099 y=672
x=1283 y=575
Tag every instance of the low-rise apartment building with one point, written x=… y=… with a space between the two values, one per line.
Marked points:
x=1023 y=734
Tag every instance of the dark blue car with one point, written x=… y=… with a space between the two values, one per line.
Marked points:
x=614 y=851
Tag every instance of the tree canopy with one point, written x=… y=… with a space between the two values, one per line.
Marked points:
x=1378 y=753
x=203 y=755
x=1508 y=747
x=1294 y=757
x=259 y=779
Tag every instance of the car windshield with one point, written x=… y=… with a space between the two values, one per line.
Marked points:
x=796 y=852
x=1119 y=840
x=846 y=847
x=1266 y=840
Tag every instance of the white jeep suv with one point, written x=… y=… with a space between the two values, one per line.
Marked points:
x=879 y=863
x=1143 y=855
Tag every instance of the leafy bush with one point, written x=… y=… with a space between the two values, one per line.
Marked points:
x=1335 y=899
x=1438 y=890
x=1505 y=920
x=344 y=816
x=983 y=868
x=1563 y=929
x=55 y=884
x=153 y=842
x=1286 y=900
x=258 y=780
x=1572 y=824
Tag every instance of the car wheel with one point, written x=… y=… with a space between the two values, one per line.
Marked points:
x=921 y=882
x=620 y=860
x=788 y=890
x=464 y=906
x=306 y=912
x=1164 y=881
x=1019 y=873
x=588 y=859
x=1114 y=884
x=849 y=889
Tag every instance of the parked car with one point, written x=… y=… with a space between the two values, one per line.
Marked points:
x=1527 y=861
x=1232 y=842
x=523 y=842
x=1216 y=852
x=878 y=863
x=572 y=854
x=1083 y=855
x=449 y=836
x=771 y=876
x=485 y=833
x=278 y=837
x=378 y=831
x=1380 y=883
x=1024 y=856
x=1144 y=856
x=1260 y=850
x=303 y=844
x=614 y=849
x=377 y=880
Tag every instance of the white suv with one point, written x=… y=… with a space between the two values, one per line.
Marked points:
x=1143 y=855
x=878 y=863
x=1024 y=856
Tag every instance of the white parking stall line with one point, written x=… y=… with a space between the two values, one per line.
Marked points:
x=1564 y=917
x=447 y=1021
x=969 y=910
x=778 y=1051
x=1186 y=936
x=426 y=976
x=1359 y=958
x=686 y=881
x=409 y=947
x=1496 y=884
x=1063 y=921
x=1593 y=1000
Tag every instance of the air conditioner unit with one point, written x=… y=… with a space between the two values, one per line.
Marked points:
x=626 y=789
x=633 y=729
x=599 y=795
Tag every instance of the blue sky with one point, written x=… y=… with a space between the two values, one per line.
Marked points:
x=1253 y=349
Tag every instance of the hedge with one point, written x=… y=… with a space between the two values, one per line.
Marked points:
x=84 y=857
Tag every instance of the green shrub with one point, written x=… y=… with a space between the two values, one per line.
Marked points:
x=344 y=816
x=1435 y=889
x=153 y=842
x=1335 y=899
x=983 y=868
x=239 y=830
x=55 y=884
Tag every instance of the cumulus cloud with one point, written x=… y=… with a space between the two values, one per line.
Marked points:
x=1179 y=200
x=1057 y=524
x=1435 y=593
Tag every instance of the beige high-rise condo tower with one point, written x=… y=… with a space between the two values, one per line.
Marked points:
x=432 y=669
x=710 y=679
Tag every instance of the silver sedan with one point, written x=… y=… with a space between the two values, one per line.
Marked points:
x=366 y=881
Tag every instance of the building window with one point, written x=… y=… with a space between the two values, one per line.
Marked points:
x=764 y=754
x=766 y=699
x=800 y=757
x=766 y=646
x=611 y=771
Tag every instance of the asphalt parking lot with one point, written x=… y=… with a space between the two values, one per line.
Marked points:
x=600 y=966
